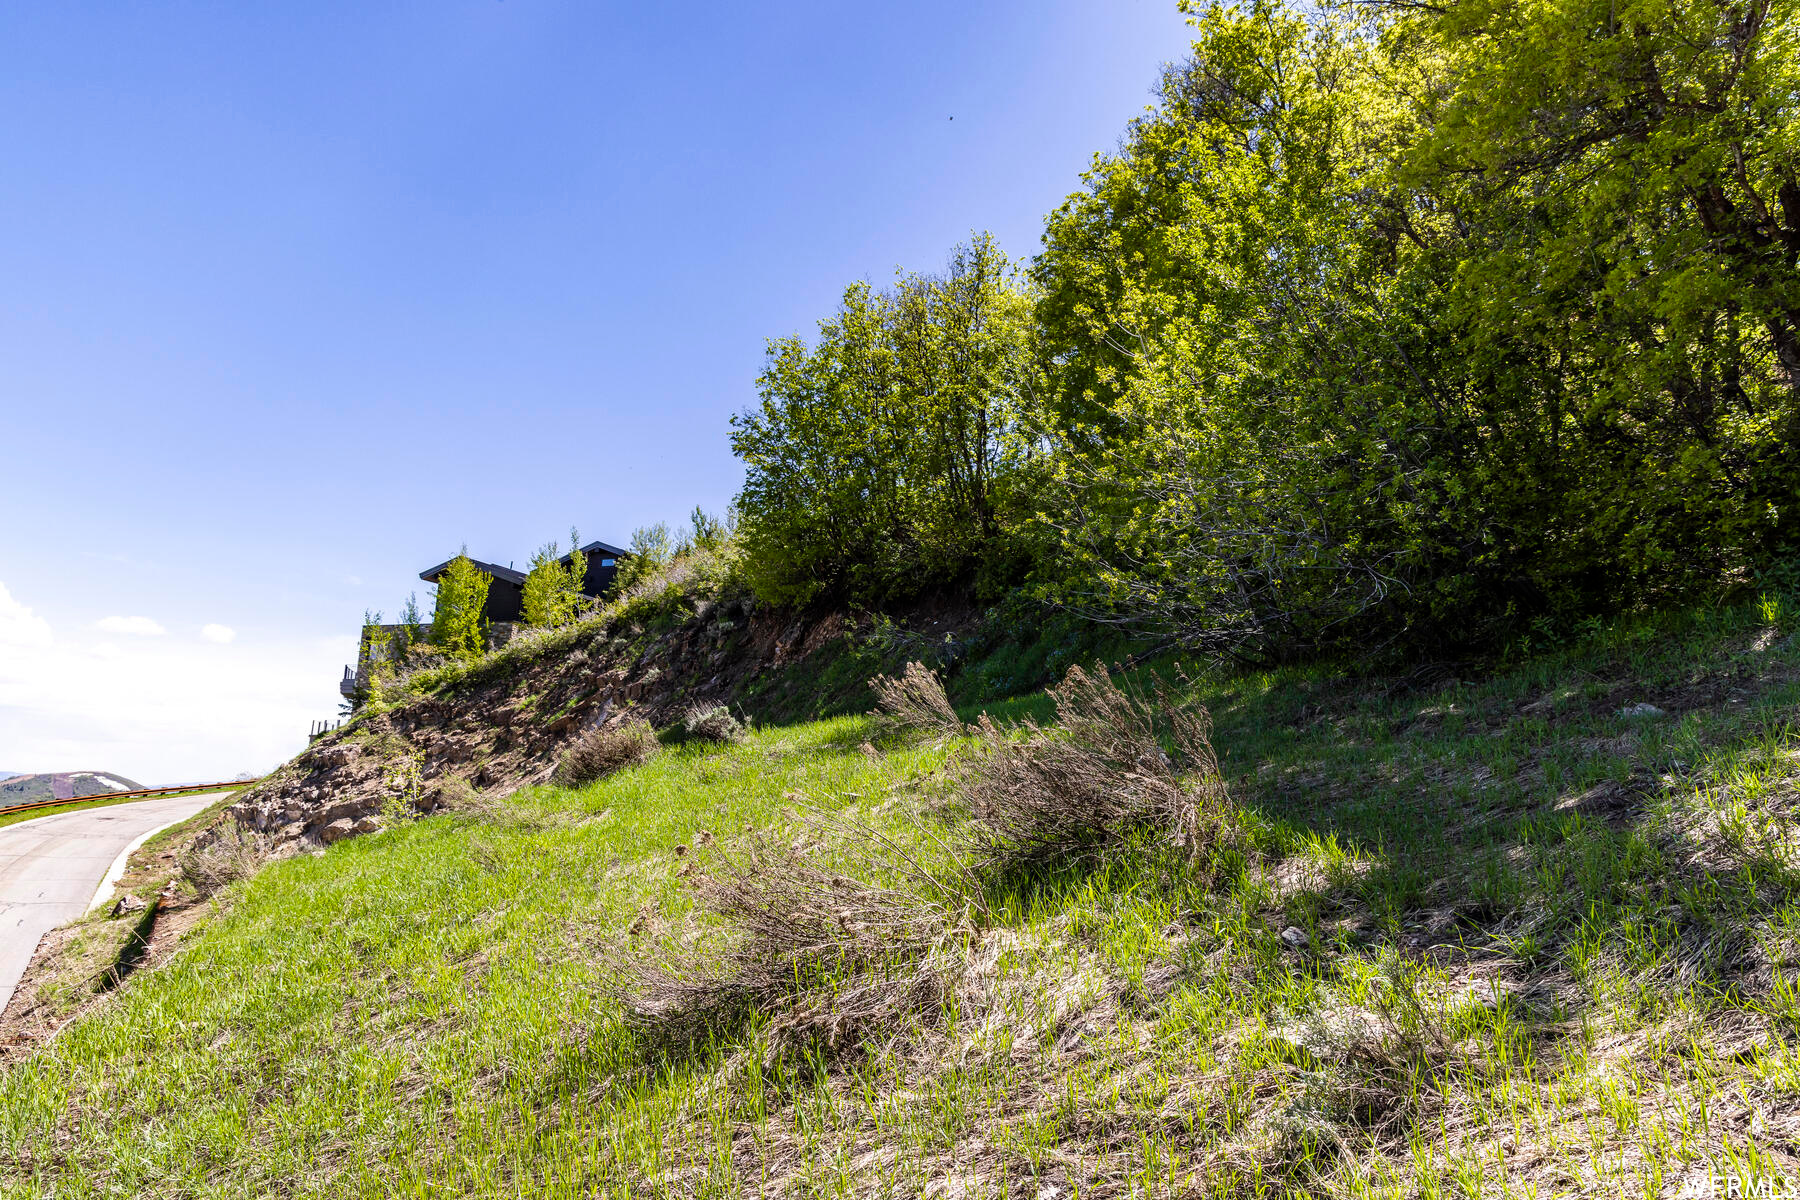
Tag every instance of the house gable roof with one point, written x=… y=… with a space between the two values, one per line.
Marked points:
x=605 y=548
x=505 y=574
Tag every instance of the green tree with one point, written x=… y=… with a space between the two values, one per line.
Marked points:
x=1392 y=317
x=1659 y=134
x=708 y=532
x=1245 y=400
x=884 y=458
x=412 y=620
x=458 y=624
x=652 y=548
x=1611 y=193
x=552 y=590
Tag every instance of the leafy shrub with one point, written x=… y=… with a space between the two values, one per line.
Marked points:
x=714 y=724
x=678 y=585
x=600 y=752
x=708 y=532
x=1100 y=779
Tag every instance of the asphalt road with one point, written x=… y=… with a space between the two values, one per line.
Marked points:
x=51 y=866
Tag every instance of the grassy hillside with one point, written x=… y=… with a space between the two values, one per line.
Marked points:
x=1503 y=933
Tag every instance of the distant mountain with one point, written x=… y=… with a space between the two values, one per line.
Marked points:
x=60 y=785
x=10 y=774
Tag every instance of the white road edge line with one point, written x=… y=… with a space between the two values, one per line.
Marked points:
x=113 y=873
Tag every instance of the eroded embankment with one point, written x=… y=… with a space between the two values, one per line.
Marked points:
x=508 y=722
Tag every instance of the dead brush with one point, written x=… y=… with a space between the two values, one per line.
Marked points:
x=600 y=752
x=914 y=700
x=230 y=854
x=832 y=958
x=1099 y=779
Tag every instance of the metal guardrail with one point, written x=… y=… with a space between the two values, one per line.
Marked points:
x=145 y=793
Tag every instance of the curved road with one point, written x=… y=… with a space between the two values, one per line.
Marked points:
x=50 y=867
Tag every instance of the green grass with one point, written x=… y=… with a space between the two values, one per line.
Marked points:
x=51 y=810
x=1549 y=949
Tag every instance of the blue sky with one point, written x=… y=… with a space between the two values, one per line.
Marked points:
x=295 y=299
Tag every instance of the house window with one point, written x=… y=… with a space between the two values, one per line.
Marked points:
x=607 y=562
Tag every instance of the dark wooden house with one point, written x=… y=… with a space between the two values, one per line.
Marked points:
x=602 y=566
x=506 y=595
x=505 y=605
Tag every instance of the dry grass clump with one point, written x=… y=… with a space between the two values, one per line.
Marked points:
x=458 y=795
x=834 y=958
x=1369 y=1071
x=600 y=752
x=230 y=854
x=914 y=700
x=715 y=724
x=1101 y=778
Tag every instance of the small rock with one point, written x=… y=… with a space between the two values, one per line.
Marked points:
x=367 y=825
x=1641 y=711
x=128 y=904
x=343 y=827
x=338 y=755
x=351 y=809
x=1295 y=936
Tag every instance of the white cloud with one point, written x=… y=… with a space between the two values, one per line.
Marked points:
x=18 y=625
x=139 y=626
x=218 y=633
x=159 y=710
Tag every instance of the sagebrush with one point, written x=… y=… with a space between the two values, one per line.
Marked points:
x=1120 y=763
x=859 y=952
x=914 y=700
x=713 y=723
